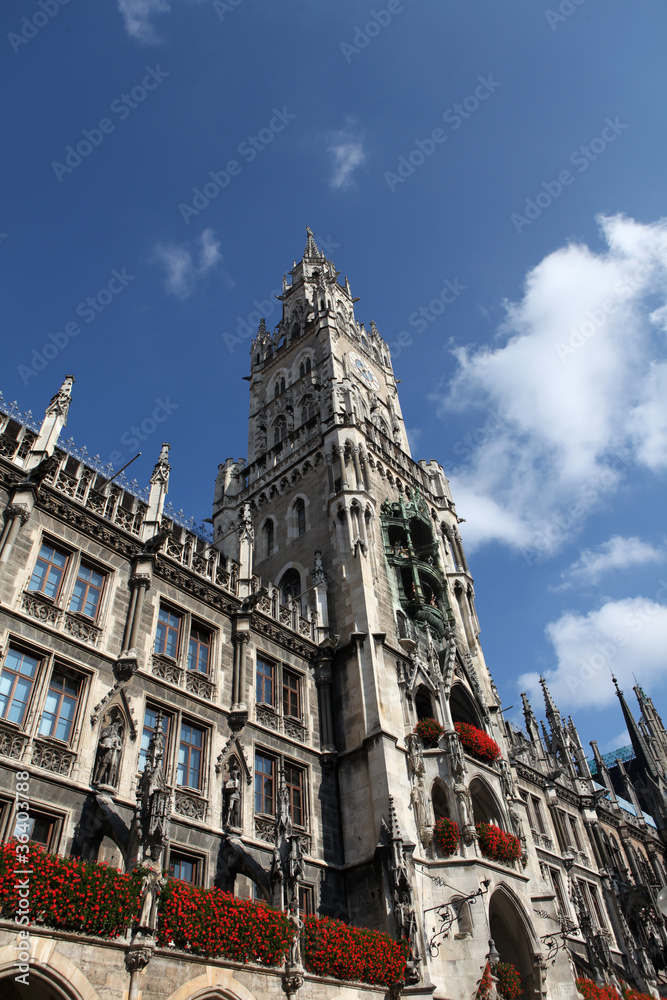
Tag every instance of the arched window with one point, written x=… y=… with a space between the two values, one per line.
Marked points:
x=300 y=517
x=279 y=430
x=279 y=386
x=268 y=538
x=382 y=426
x=290 y=585
x=304 y=367
x=423 y=703
x=308 y=410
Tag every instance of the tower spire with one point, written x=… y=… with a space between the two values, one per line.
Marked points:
x=639 y=744
x=553 y=715
x=312 y=250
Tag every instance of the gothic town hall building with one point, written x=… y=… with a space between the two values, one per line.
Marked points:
x=236 y=708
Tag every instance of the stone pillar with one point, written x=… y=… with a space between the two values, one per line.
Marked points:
x=330 y=475
x=240 y=639
x=357 y=467
x=16 y=515
x=140 y=585
x=364 y=471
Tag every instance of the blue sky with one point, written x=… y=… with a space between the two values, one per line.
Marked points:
x=516 y=151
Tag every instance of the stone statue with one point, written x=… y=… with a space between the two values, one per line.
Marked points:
x=463 y=802
x=232 y=797
x=151 y=885
x=108 y=755
x=43 y=469
x=294 y=960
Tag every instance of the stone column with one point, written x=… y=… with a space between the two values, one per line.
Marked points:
x=357 y=467
x=240 y=639
x=140 y=585
x=16 y=515
x=364 y=471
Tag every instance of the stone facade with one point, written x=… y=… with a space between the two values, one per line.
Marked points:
x=210 y=703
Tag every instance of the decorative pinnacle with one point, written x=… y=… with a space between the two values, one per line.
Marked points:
x=312 y=249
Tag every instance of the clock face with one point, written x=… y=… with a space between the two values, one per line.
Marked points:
x=361 y=367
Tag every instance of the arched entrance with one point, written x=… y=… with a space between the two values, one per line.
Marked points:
x=514 y=939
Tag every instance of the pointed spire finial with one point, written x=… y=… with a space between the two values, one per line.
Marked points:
x=312 y=249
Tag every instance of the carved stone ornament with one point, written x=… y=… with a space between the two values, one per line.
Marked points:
x=18 y=510
x=137 y=959
x=292 y=983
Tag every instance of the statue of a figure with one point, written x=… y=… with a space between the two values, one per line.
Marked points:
x=463 y=802
x=232 y=794
x=506 y=780
x=516 y=823
x=284 y=804
x=108 y=755
x=295 y=944
x=151 y=886
x=401 y=911
x=37 y=475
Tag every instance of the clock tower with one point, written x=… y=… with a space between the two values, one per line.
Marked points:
x=350 y=533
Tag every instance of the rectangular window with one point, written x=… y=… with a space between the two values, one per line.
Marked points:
x=60 y=707
x=199 y=649
x=537 y=813
x=87 y=591
x=16 y=681
x=167 y=633
x=150 y=722
x=575 y=833
x=40 y=828
x=597 y=909
x=190 y=756
x=264 y=683
x=47 y=576
x=291 y=695
x=264 y=784
x=184 y=866
x=306 y=900
x=558 y=889
x=294 y=782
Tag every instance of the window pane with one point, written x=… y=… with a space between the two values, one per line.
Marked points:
x=198 y=650
x=150 y=718
x=264 y=784
x=264 y=683
x=37 y=828
x=182 y=867
x=166 y=634
x=60 y=707
x=291 y=705
x=189 y=756
x=48 y=572
x=87 y=591
x=16 y=682
x=294 y=782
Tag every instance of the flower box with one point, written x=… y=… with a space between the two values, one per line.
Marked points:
x=477 y=743
x=497 y=845
x=91 y=898
x=333 y=948
x=429 y=731
x=446 y=834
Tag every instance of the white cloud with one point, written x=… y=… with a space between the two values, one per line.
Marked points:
x=183 y=268
x=627 y=636
x=617 y=553
x=577 y=390
x=348 y=153
x=137 y=15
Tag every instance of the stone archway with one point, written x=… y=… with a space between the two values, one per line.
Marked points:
x=214 y=984
x=51 y=976
x=515 y=939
